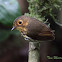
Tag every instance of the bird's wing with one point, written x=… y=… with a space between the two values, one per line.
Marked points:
x=46 y=33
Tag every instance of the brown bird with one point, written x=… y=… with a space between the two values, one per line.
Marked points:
x=32 y=28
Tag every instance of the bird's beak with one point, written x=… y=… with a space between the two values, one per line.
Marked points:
x=13 y=28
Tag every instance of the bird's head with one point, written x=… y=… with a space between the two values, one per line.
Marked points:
x=20 y=23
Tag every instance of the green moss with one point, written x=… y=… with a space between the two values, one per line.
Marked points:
x=41 y=8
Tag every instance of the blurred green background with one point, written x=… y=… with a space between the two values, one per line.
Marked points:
x=9 y=10
x=10 y=41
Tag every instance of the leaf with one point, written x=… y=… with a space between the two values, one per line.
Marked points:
x=9 y=10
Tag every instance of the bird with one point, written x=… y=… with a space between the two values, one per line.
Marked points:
x=32 y=28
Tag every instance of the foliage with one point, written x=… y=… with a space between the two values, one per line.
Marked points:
x=42 y=8
x=9 y=10
x=34 y=9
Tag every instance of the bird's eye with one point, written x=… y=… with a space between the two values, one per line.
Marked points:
x=20 y=22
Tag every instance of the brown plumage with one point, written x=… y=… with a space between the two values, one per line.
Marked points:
x=33 y=28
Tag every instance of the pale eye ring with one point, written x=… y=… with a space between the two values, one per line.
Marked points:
x=19 y=22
